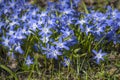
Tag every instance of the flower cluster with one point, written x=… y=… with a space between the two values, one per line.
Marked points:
x=106 y=24
x=19 y=19
x=53 y=26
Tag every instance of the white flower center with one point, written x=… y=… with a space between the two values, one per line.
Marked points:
x=68 y=33
x=99 y=55
x=34 y=25
x=55 y=52
x=67 y=62
x=12 y=23
x=40 y=22
x=33 y=13
x=49 y=22
x=45 y=30
x=11 y=32
x=82 y=22
x=24 y=18
x=60 y=45
x=45 y=39
x=88 y=30
x=6 y=41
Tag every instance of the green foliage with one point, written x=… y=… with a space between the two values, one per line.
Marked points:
x=82 y=68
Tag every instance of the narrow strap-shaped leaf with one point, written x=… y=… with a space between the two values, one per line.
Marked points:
x=9 y=71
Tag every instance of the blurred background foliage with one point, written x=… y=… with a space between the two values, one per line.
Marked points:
x=97 y=4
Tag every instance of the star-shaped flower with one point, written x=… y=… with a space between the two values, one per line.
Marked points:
x=29 y=60
x=98 y=55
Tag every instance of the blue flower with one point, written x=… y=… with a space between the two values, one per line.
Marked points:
x=13 y=24
x=19 y=35
x=29 y=61
x=64 y=4
x=81 y=22
x=66 y=62
x=12 y=4
x=18 y=48
x=52 y=6
x=66 y=20
x=75 y=3
x=11 y=54
x=61 y=44
x=33 y=25
x=88 y=29
x=5 y=9
x=45 y=38
x=24 y=18
x=52 y=52
x=112 y=36
x=1 y=1
x=99 y=29
x=115 y=14
x=33 y=12
x=98 y=17
x=46 y=49
x=45 y=30
x=24 y=3
x=41 y=21
x=116 y=38
x=67 y=32
x=72 y=41
x=6 y=41
x=14 y=16
x=24 y=31
x=68 y=11
x=10 y=33
x=51 y=21
x=98 y=55
x=43 y=14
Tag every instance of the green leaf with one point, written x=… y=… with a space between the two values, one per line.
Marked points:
x=85 y=7
x=9 y=71
x=76 y=50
